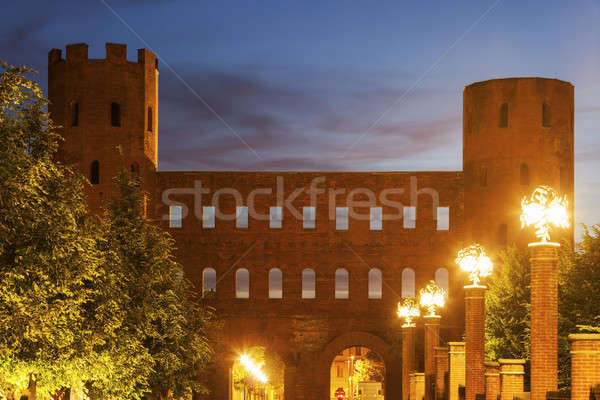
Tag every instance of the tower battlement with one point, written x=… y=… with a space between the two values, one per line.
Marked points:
x=116 y=53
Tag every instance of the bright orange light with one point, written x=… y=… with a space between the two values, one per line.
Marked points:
x=545 y=208
x=253 y=368
x=432 y=297
x=408 y=309
x=475 y=261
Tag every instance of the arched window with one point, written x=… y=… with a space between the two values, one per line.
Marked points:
x=408 y=282
x=524 y=174
x=209 y=282
x=375 y=283
x=115 y=114
x=483 y=177
x=150 y=119
x=503 y=123
x=341 y=284
x=95 y=172
x=545 y=115
x=135 y=168
x=308 y=284
x=441 y=278
x=75 y=114
x=242 y=284
x=275 y=283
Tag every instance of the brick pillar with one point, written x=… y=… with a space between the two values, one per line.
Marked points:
x=585 y=364
x=456 y=368
x=408 y=358
x=474 y=340
x=492 y=380
x=419 y=385
x=544 y=319
x=441 y=368
x=412 y=387
x=512 y=373
x=432 y=340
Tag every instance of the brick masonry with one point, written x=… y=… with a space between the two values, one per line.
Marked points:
x=544 y=319
x=585 y=364
x=492 y=380
x=408 y=359
x=441 y=371
x=432 y=340
x=456 y=369
x=512 y=373
x=308 y=331
x=474 y=340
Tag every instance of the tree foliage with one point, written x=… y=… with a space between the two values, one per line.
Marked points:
x=370 y=368
x=91 y=304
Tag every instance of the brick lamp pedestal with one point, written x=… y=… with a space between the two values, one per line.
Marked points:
x=585 y=364
x=474 y=340
x=512 y=374
x=544 y=319
x=492 y=380
x=408 y=358
x=432 y=340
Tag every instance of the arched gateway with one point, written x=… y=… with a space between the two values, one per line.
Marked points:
x=231 y=228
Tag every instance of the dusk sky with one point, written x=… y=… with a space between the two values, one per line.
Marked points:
x=321 y=85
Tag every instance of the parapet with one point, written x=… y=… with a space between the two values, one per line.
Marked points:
x=116 y=53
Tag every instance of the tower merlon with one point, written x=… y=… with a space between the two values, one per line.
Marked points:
x=116 y=53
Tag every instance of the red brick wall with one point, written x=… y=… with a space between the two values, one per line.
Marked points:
x=408 y=359
x=585 y=364
x=441 y=369
x=492 y=380
x=512 y=373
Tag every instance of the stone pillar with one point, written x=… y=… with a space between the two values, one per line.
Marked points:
x=512 y=373
x=474 y=340
x=492 y=380
x=408 y=358
x=441 y=369
x=544 y=319
x=419 y=385
x=456 y=368
x=585 y=364
x=432 y=340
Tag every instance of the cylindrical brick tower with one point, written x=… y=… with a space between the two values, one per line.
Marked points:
x=474 y=340
x=408 y=359
x=108 y=111
x=517 y=135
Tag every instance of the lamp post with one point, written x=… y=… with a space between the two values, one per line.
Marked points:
x=543 y=210
x=475 y=261
x=407 y=310
x=432 y=297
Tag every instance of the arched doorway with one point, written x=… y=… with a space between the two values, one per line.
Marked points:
x=386 y=353
x=257 y=374
x=357 y=373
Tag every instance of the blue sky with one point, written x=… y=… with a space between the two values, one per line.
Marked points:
x=324 y=85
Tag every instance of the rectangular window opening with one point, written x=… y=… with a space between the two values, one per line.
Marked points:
x=308 y=217
x=275 y=217
x=175 y=213
x=341 y=218
x=443 y=218
x=410 y=217
x=376 y=223
x=241 y=220
x=208 y=217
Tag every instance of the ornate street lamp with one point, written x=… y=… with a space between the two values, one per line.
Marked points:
x=407 y=310
x=476 y=262
x=544 y=209
x=432 y=298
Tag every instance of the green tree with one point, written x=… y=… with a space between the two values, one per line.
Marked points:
x=369 y=368
x=508 y=308
x=48 y=251
x=162 y=312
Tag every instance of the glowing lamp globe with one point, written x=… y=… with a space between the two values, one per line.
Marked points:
x=407 y=310
x=253 y=368
x=432 y=298
x=476 y=262
x=544 y=209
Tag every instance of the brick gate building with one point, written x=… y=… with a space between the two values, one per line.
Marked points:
x=310 y=263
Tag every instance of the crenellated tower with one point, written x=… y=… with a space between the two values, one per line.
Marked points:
x=517 y=134
x=108 y=113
